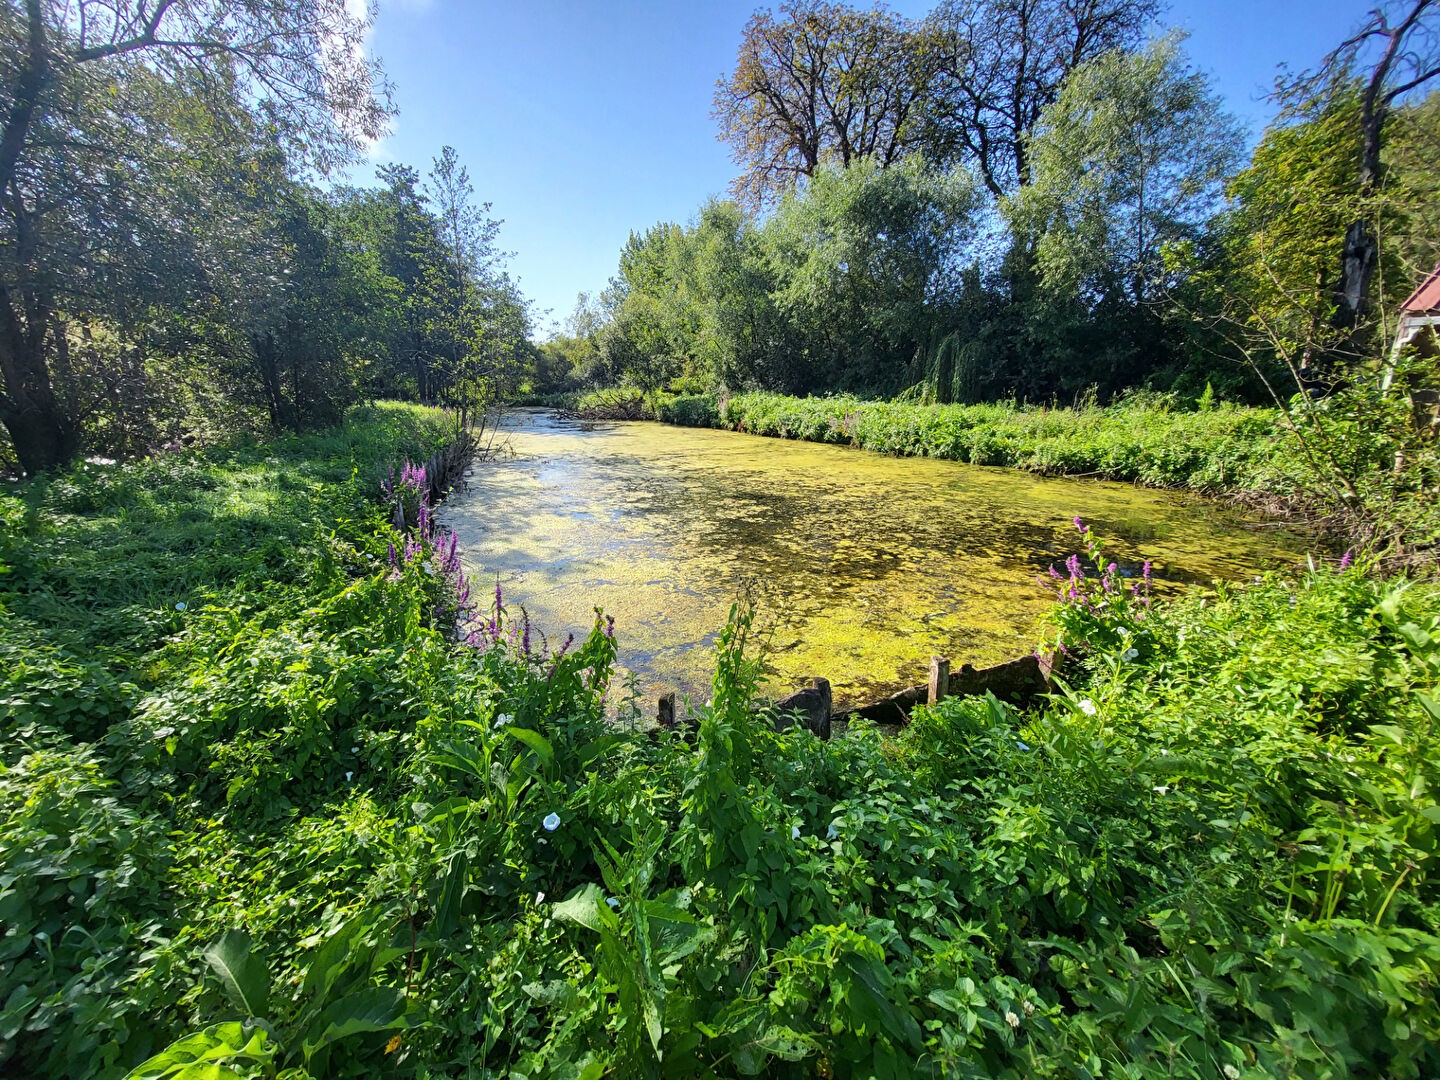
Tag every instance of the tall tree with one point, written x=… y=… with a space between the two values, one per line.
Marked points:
x=999 y=63
x=1131 y=157
x=822 y=83
x=1393 y=54
x=83 y=124
x=865 y=260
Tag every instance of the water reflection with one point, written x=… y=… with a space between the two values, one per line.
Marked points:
x=863 y=565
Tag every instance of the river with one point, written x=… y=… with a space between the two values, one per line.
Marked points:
x=862 y=566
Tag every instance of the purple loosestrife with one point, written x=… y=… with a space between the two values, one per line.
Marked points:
x=1345 y=561
x=569 y=640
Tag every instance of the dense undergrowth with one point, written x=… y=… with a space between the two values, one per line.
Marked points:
x=259 y=800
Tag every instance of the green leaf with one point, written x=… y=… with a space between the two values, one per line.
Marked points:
x=332 y=957
x=582 y=906
x=203 y=1054
x=535 y=741
x=380 y=1008
x=242 y=974
x=452 y=891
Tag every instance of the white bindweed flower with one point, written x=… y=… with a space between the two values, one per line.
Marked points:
x=505 y=719
x=1087 y=706
x=180 y=606
x=1131 y=654
x=614 y=904
x=1021 y=745
x=348 y=775
x=1163 y=789
x=831 y=833
x=551 y=822
x=539 y=897
x=795 y=832
x=354 y=749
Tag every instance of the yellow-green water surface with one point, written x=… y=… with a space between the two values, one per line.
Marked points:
x=864 y=566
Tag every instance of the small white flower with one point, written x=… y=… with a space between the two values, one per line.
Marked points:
x=1028 y=1008
x=1163 y=789
x=1131 y=654
x=831 y=833
x=348 y=775
x=551 y=822
x=1012 y=1019
x=1021 y=745
x=354 y=749
x=539 y=897
x=504 y=720
x=180 y=606
x=614 y=904
x=1087 y=706
x=795 y=832
x=1231 y=1072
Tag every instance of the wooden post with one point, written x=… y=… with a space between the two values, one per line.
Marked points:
x=666 y=713
x=939 y=679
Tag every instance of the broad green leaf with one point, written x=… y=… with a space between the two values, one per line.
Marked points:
x=581 y=906
x=452 y=891
x=242 y=973
x=380 y=1008
x=535 y=741
x=331 y=958
x=206 y=1053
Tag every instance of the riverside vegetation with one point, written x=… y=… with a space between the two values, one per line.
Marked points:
x=265 y=813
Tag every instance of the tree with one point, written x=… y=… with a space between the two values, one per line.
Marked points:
x=474 y=315
x=1393 y=54
x=1130 y=158
x=999 y=63
x=104 y=106
x=823 y=83
x=864 y=261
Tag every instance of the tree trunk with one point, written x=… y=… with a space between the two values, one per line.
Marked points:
x=42 y=434
x=1357 y=267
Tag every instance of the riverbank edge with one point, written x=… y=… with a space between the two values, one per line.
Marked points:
x=1240 y=453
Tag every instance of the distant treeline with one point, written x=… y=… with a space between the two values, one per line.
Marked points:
x=1026 y=200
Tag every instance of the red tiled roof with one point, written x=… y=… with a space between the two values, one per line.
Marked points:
x=1426 y=297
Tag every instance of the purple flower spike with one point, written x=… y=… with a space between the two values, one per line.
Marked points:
x=394 y=559
x=1080 y=524
x=610 y=627
x=1073 y=565
x=1345 y=561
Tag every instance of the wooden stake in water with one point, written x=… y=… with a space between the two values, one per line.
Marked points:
x=939 y=679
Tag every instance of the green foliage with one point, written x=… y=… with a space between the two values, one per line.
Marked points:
x=1128 y=159
x=314 y=832
x=1226 y=448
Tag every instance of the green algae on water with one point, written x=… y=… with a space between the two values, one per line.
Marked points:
x=863 y=566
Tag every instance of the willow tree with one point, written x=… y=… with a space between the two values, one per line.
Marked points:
x=107 y=111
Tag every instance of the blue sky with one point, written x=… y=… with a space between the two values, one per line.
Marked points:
x=582 y=121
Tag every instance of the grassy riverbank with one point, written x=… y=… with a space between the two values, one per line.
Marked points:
x=247 y=776
x=1225 y=449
